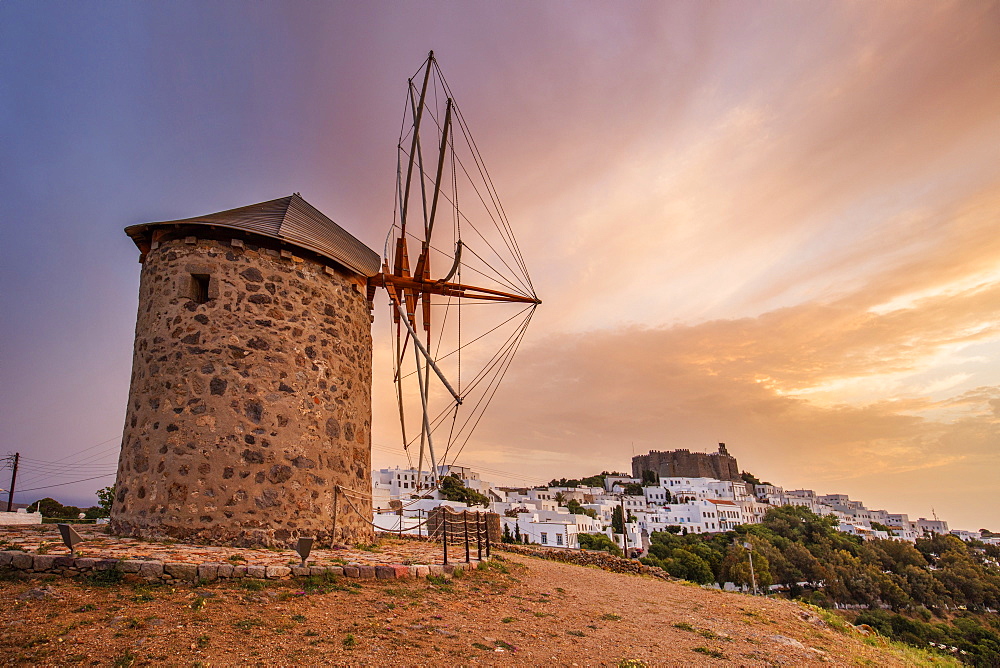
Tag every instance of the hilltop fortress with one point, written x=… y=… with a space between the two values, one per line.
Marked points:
x=684 y=463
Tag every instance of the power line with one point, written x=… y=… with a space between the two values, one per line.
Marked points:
x=74 y=463
x=22 y=491
x=80 y=452
x=484 y=469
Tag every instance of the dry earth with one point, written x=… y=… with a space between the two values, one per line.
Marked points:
x=521 y=611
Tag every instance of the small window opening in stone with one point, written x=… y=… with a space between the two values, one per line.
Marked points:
x=199 y=287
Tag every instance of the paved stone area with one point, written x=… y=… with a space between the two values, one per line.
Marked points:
x=388 y=558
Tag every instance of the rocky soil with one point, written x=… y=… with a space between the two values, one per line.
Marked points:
x=518 y=611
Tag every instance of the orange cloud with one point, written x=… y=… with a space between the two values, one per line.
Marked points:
x=795 y=251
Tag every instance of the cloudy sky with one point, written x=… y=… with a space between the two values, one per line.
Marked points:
x=770 y=224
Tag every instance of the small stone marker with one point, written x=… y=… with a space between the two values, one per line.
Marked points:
x=304 y=547
x=70 y=537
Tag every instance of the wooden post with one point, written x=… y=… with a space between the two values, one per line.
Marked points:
x=479 y=536
x=487 y=539
x=465 y=527
x=336 y=498
x=13 y=479
x=444 y=532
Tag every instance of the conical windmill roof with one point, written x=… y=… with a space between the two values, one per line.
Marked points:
x=291 y=220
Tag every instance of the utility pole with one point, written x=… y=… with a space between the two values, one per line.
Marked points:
x=13 y=479
x=753 y=576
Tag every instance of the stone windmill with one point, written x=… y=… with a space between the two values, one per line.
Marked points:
x=250 y=403
x=250 y=397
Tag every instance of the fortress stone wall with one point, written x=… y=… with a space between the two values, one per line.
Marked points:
x=686 y=464
x=250 y=397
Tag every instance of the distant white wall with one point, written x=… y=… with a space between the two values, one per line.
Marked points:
x=20 y=517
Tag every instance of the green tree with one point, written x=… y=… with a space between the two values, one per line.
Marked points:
x=649 y=478
x=598 y=542
x=105 y=497
x=594 y=480
x=688 y=566
x=616 y=519
x=735 y=568
x=575 y=508
x=52 y=509
x=453 y=490
x=802 y=566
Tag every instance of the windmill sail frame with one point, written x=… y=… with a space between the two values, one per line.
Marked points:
x=501 y=274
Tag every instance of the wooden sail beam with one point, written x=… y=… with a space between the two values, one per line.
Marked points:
x=408 y=280
x=415 y=141
x=429 y=231
x=446 y=288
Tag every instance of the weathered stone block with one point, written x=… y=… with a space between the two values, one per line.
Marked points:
x=239 y=571
x=366 y=572
x=402 y=572
x=300 y=571
x=352 y=571
x=151 y=569
x=259 y=572
x=435 y=569
x=385 y=572
x=85 y=563
x=225 y=571
x=5 y=557
x=21 y=561
x=278 y=571
x=317 y=570
x=208 y=572
x=130 y=565
x=64 y=562
x=179 y=571
x=106 y=564
x=43 y=562
x=421 y=571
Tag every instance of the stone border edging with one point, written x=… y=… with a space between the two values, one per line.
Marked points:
x=598 y=559
x=170 y=572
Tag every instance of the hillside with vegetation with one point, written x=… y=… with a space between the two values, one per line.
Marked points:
x=940 y=592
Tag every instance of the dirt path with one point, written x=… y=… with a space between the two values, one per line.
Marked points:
x=524 y=612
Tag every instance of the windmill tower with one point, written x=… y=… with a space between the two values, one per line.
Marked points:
x=250 y=401
x=250 y=398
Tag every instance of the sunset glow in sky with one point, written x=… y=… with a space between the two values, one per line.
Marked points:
x=770 y=224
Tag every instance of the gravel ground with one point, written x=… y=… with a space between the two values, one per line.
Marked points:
x=520 y=611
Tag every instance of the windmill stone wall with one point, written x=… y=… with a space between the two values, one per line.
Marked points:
x=250 y=398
